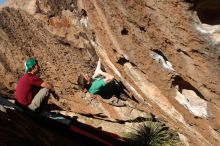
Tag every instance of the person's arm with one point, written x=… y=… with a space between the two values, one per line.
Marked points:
x=97 y=70
x=108 y=77
x=47 y=85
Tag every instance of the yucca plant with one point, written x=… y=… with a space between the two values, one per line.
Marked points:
x=152 y=134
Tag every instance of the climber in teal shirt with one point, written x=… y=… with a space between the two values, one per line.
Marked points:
x=103 y=84
x=97 y=82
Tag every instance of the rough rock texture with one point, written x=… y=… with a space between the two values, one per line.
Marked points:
x=153 y=47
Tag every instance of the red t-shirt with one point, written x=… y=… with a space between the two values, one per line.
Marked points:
x=27 y=88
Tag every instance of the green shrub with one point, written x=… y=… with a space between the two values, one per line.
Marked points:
x=152 y=134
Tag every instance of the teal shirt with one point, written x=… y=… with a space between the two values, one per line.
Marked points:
x=96 y=86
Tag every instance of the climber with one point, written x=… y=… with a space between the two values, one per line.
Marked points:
x=31 y=91
x=100 y=83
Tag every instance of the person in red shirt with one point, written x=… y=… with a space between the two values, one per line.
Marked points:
x=31 y=91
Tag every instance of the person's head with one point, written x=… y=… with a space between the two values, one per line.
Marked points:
x=31 y=65
x=84 y=81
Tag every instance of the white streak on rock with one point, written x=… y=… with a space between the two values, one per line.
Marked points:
x=213 y=31
x=166 y=64
x=192 y=102
x=84 y=22
x=183 y=139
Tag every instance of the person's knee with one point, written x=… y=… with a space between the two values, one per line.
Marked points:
x=46 y=91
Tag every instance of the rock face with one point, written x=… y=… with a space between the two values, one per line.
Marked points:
x=167 y=61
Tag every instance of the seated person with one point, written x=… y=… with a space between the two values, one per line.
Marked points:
x=31 y=91
x=100 y=83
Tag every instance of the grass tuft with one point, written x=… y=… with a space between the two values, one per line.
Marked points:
x=152 y=134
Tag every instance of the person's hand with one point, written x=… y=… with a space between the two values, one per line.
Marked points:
x=99 y=62
x=47 y=85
